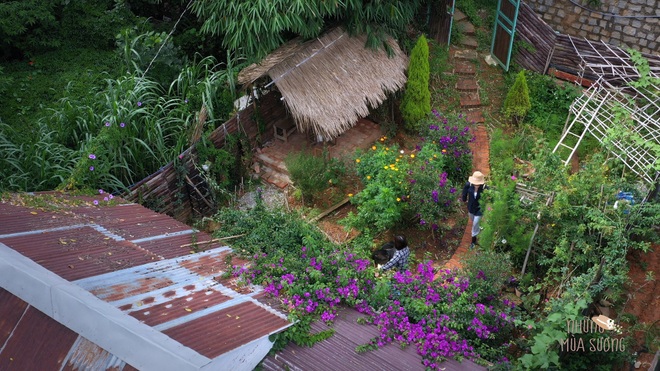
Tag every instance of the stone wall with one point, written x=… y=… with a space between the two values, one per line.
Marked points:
x=625 y=23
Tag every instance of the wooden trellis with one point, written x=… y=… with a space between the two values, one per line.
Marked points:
x=615 y=103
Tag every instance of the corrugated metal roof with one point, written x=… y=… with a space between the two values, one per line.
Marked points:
x=30 y=345
x=138 y=261
x=30 y=340
x=338 y=352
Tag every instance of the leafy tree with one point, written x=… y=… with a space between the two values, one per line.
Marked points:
x=516 y=104
x=256 y=27
x=27 y=23
x=416 y=102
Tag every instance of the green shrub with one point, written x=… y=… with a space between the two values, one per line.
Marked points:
x=516 y=104
x=504 y=222
x=488 y=270
x=313 y=174
x=416 y=102
x=382 y=170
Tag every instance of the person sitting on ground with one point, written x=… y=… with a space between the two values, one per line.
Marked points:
x=400 y=259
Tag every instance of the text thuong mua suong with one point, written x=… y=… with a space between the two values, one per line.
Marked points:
x=599 y=344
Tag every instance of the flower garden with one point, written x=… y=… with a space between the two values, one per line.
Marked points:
x=561 y=256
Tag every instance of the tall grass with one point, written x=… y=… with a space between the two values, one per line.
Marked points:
x=39 y=166
x=130 y=129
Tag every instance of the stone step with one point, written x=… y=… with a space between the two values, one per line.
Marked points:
x=274 y=177
x=470 y=100
x=469 y=54
x=467 y=85
x=465 y=68
x=469 y=42
x=459 y=16
x=467 y=28
x=276 y=165
x=476 y=117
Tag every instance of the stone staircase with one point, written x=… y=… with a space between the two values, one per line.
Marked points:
x=271 y=170
x=463 y=58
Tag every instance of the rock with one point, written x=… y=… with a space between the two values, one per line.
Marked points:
x=490 y=60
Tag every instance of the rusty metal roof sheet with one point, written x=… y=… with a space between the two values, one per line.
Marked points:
x=30 y=340
x=338 y=352
x=141 y=263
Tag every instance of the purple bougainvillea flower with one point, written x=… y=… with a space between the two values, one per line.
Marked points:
x=139 y=104
x=105 y=199
x=111 y=196
x=122 y=125
x=91 y=168
x=92 y=156
x=100 y=191
x=96 y=202
x=513 y=177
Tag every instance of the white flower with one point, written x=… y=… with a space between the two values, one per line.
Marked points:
x=503 y=241
x=205 y=167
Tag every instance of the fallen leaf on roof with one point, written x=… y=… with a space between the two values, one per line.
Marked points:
x=188 y=310
x=33 y=212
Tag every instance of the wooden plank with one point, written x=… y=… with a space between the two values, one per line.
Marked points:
x=331 y=209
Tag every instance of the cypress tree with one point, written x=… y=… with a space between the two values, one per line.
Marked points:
x=416 y=102
x=516 y=104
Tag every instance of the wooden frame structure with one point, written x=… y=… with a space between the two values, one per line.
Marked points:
x=617 y=110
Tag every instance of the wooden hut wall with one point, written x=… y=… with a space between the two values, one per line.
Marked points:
x=185 y=196
x=533 y=31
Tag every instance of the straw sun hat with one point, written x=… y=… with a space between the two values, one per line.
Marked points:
x=477 y=178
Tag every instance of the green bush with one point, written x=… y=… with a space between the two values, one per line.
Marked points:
x=416 y=102
x=505 y=222
x=488 y=270
x=516 y=104
x=313 y=174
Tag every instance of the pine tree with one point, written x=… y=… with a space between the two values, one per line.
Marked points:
x=516 y=104
x=416 y=102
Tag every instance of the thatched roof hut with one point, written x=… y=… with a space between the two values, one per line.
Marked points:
x=330 y=82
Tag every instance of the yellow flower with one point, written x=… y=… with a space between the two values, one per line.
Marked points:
x=350 y=195
x=330 y=181
x=357 y=160
x=382 y=139
x=397 y=160
x=398 y=199
x=368 y=177
x=444 y=150
x=412 y=155
x=385 y=137
x=385 y=167
x=387 y=148
x=434 y=155
x=373 y=147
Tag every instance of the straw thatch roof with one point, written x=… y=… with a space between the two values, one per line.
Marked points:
x=330 y=82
